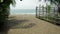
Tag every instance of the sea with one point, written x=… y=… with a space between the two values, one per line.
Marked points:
x=28 y=11
x=22 y=11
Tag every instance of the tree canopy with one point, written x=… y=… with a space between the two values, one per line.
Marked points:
x=55 y=1
x=7 y=2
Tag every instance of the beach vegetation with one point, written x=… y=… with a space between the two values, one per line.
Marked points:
x=5 y=12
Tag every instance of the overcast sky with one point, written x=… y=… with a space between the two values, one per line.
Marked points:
x=25 y=4
x=28 y=4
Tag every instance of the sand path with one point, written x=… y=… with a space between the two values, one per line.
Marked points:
x=28 y=24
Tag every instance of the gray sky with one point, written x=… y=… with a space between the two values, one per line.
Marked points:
x=28 y=4
x=25 y=4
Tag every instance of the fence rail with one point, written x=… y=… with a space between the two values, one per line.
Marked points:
x=50 y=15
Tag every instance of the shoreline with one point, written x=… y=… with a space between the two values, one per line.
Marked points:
x=23 y=14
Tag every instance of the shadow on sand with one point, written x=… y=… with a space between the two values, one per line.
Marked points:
x=15 y=24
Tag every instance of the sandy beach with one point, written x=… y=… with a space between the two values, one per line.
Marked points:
x=29 y=24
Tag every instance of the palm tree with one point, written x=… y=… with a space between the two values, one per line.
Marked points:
x=4 y=11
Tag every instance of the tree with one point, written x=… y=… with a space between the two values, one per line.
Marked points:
x=4 y=12
x=57 y=2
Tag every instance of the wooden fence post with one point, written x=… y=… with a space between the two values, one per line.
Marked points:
x=36 y=11
x=39 y=11
x=54 y=12
x=46 y=11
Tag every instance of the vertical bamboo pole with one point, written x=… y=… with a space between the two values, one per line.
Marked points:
x=54 y=12
x=39 y=11
x=46 y=11
x=43 y=11
x=36 y=11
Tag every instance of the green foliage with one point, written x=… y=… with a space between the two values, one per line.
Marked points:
x=58 y=1
x=1 y=0
x=48 y=8
x=4 y=13
x=8 y=2
x=4 y=8
x=55 y=1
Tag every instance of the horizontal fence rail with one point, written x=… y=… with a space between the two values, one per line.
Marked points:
x=49 y=14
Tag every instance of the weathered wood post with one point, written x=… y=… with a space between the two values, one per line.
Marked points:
x=36 y=11
x=54 y=12
x=46 y=13
x=43 y=10
x=39 y=11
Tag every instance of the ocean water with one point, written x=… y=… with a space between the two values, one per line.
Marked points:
x=22 y=11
